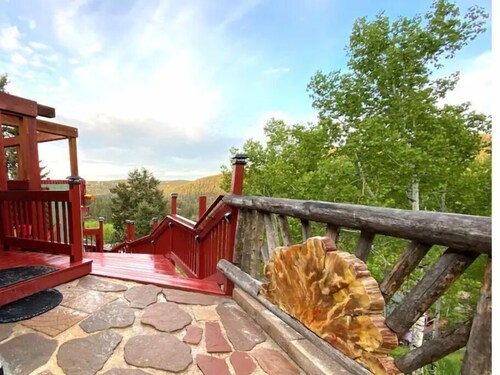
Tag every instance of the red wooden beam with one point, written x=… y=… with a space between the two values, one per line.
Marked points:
x=173 y=204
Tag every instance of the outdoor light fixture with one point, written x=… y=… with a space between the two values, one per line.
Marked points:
x=227 y=217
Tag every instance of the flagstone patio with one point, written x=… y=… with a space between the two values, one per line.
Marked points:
x=106 y=326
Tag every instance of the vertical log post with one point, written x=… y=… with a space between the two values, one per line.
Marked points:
x=364 y=245
x=173 y=204
x=333 y=232
x=285 y=230
x=306 y=229
x=202 y=205
x=75 y=219
x=477 y=358
x=100 y=240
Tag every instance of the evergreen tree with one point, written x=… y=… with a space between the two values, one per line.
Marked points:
x=138 y=199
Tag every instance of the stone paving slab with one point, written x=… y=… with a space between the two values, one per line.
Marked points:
x=191 y=298
x=241 y=330
x=55 y=321
x=142 y=296
x=25 y=353
x=87 y=355
x=166 y=317
x=6 y=330
x=193 y=335
x=161 y=351
x=238 y=363
x=91 y=301
x=90 y=282
x=114 y=315
x=215 y=340
x=211 y=365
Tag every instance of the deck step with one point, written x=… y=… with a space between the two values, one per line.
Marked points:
x=65 y=272
x=147 y=269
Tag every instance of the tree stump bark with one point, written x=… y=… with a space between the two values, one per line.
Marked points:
x=333 y=294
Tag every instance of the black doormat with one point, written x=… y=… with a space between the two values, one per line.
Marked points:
x=10 y=276
x=30 y=306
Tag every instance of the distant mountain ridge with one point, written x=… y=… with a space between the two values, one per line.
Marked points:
x=209 y=185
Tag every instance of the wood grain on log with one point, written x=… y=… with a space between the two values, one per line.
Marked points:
x=252 y=287
x=333 y=294
x=477 y=358
x=333 y=232
x=411 y=257
x=271 y=233
x=464 y=232
x=285 y=230
x=364 y=245
x=432 y=286
x=306 y=229
x=435 y=349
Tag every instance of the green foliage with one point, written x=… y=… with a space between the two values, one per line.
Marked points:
x=4 y=81
x=382 y=130
x=109 y=231
x=138 y=199
x=101 y=207
x=384 y=109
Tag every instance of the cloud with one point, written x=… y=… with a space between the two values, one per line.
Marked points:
x=475 y=85
x=9 y=38
x=278 y=70
x=18 y=59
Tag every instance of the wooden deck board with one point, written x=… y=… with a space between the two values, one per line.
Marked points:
x=66 y=271
x=147 y=268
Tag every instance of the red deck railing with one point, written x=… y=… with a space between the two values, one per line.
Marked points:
x=47 y=221
x=93 y=238
x=196 y=247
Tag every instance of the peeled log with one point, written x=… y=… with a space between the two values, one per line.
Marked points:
x=334 y=295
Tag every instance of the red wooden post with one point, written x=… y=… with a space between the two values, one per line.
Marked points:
x=173 y=204
x=75 y=219
x=100 y=240
x=130 y=230
x=239 y=162
x=202 y=206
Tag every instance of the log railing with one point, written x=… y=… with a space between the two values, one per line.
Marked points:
x=48 y=221
x=263 y=225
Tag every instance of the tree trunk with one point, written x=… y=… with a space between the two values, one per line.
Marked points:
x=418 y=328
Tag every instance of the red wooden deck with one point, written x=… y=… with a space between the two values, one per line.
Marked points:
x=66 y=271
x=147 y=268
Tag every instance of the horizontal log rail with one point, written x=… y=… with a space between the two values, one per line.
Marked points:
x=463 y=232
x=263 y=226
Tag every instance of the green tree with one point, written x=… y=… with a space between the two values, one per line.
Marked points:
x=4 y=81
x=138 y=199
x=384 y=110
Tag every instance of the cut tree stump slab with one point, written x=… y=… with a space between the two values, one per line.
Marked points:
x=333 y=294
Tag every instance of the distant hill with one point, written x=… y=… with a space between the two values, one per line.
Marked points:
x=206 y=185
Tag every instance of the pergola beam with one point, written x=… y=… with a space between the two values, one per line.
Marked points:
x=41 y=137
x=43 y=126
x=15 y=104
